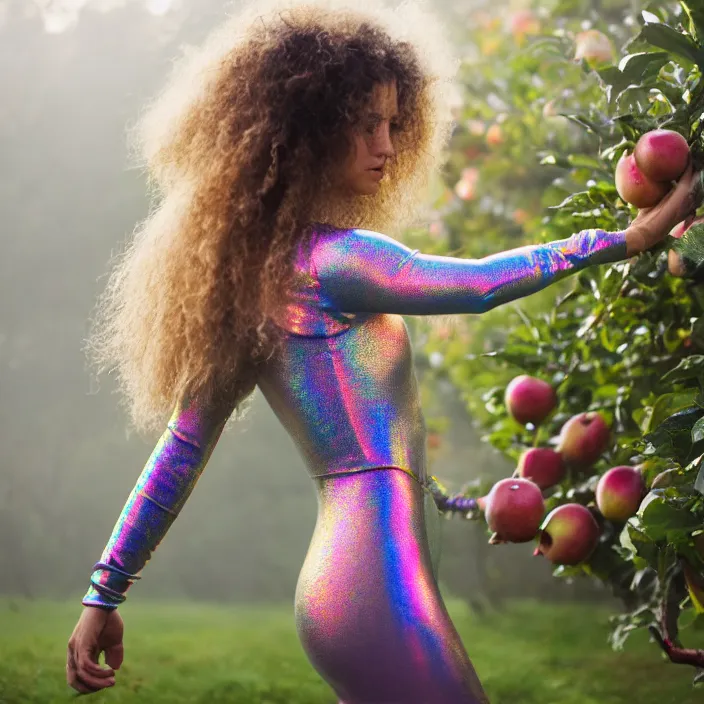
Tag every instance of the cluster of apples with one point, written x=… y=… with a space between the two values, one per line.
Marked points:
x=514 y=509
x=644 y=177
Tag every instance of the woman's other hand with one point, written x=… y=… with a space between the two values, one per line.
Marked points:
x=652 y=225
x=98 y=630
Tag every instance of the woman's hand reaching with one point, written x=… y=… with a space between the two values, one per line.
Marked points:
x=97 y=630
x=652 y=225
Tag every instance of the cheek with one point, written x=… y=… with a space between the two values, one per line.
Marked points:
x=359 y=152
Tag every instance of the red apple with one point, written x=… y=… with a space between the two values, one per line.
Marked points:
x=494 y=135
x=523 y=22
x=466 y=187
x=634 y=186
x=569 y=535
x=520 y=216
x=541 y=465
x=530 y=400
x=594 y=47
x=514 y=509
x=662 y=155
x=619 y=493
x=583 y=438
x=678 y=230
x=675 y=263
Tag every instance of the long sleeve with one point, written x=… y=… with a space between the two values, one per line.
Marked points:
x=361 y=271
x=160 y=493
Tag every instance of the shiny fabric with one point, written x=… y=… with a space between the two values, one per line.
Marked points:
x=165 y=483
x=368 y=609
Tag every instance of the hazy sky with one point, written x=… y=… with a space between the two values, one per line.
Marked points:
x=60 y=15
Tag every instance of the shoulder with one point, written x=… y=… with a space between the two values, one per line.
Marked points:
x=354 y=244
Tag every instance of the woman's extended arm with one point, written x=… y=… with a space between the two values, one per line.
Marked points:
x=161 y=491
x=364 y=271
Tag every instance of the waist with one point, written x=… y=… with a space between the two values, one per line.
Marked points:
x=422 y=480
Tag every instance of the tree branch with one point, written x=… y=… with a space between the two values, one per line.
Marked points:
x=667 y=635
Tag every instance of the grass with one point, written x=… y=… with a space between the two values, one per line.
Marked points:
x=205 y=654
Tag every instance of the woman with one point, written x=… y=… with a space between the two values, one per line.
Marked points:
x=271 y=150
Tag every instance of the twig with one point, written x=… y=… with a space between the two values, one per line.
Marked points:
x=667 y=635
x=453 y=503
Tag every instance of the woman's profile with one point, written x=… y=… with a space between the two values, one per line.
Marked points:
x=282 y=153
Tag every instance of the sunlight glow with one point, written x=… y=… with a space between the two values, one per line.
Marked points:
x=60 y=15
x=159 y=7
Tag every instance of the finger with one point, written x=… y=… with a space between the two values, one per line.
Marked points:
x=683 y=198
x=98 y=670
x=114 y=655
x=685 y=182
x=694 y=197
x=95 y=670
x=70 y=666
x=93 y=684
x=91 y=678
x=88 y=659
x=75 y=682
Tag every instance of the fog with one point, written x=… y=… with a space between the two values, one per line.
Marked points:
x=74 y=75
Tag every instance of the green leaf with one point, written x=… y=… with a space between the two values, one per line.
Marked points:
x=673 y=437
x=602 y=128
x=669 y=405
x=698 y=431
x=665 y=37
x=585 y=160
x=637 y=67
x=580 y=200
x=637 y=540
x=696 y=18
x=660 y=520
x=689 y=368
x=633 y=71
x=699 y=481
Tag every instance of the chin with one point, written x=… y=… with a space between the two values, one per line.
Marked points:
x=366 y=189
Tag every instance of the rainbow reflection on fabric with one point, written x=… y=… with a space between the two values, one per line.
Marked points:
x=368 y=608
x=161 y=491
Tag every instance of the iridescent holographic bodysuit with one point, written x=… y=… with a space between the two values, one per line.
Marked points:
x=368 y=609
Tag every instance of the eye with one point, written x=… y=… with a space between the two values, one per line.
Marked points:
x=396 y=127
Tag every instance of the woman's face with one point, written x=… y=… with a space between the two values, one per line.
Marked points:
x=372 y=143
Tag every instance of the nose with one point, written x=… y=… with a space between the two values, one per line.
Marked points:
x=384 y=146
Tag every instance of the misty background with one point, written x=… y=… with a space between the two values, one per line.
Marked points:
x=74 y=75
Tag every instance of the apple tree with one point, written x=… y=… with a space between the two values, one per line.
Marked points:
x=595 y=386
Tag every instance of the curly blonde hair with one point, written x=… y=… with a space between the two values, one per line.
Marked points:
x=239 y=148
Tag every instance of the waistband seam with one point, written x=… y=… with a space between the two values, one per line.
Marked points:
x=328 y=475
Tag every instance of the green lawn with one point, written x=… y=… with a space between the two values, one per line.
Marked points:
x=529 y=654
